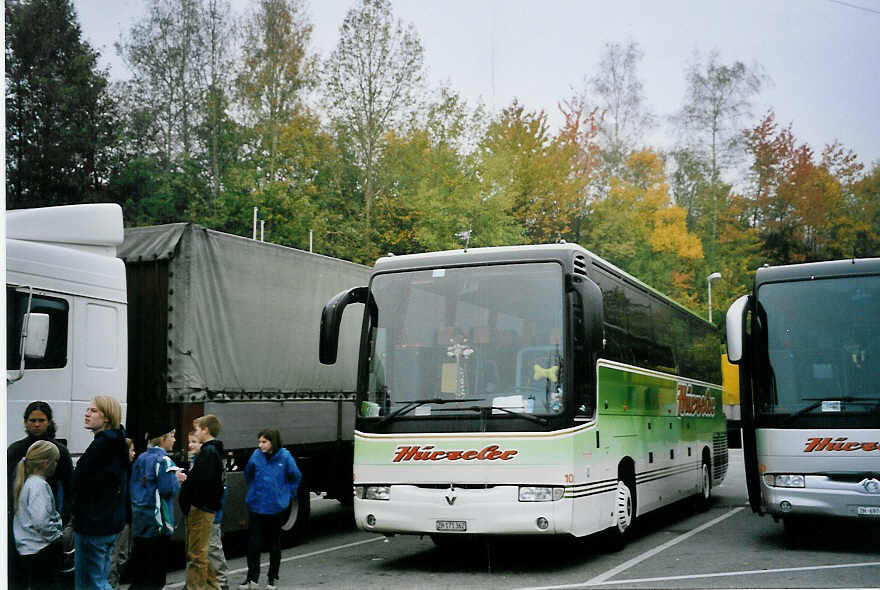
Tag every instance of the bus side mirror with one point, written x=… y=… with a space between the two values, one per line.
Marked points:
x=735 y=323
x=331 y=317
x=591 y=303
x=35 y=335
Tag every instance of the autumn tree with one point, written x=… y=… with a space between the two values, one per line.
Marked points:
x=61 y=122
x=532 y=172
x=218 y=132
x=620 y=96
x=372 y=78
x=579 y=138
x=637 y=227
x=866 y=207
x=804 y=209
x=165 y=52
x=430 y=187
x=718 y=98
x=276 y=72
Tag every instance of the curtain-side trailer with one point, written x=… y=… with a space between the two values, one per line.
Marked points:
x=224 y=325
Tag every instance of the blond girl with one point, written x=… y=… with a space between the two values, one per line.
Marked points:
x=36 y=525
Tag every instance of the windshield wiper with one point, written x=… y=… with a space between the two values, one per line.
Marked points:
x=819 y=401
x=481 y=409
x=411 y=405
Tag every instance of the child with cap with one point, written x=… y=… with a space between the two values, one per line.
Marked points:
x=155 y=480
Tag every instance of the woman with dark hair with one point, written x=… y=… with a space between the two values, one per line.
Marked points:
x=38 y=425
x=272 y=478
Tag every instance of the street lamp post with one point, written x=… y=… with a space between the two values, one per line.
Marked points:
x=709 y=279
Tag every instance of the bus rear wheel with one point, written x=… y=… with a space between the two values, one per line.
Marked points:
x=624 y=514
x=705 y=487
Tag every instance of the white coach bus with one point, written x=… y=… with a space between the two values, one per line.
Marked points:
x=533 y=390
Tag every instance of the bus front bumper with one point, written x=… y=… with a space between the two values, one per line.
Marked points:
x=823 y=496
x=495 y=510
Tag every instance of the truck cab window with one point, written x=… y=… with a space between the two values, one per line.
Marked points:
x=56 y=349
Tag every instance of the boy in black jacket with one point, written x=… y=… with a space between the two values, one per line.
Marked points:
x=201 y=496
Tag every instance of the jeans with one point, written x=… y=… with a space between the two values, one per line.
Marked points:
x=260 y=526
x=199 y=574
x=92 y=561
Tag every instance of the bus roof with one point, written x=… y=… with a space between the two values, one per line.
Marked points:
x=823 y=270
x=564 y=253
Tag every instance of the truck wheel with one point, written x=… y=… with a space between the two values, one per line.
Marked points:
x=295 y=527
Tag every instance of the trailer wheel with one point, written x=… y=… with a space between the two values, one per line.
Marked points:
x=295 y=526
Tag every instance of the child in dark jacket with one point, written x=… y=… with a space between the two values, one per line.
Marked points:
x=201 y=497
x=216 y=555
x=100 y=494
x=155 y=480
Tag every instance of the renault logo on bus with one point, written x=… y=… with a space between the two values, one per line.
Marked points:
x=693 y=404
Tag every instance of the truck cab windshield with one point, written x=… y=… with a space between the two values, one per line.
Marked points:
x=820 y=362
x=445 y=341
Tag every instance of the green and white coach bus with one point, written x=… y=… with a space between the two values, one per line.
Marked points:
x=526 y=390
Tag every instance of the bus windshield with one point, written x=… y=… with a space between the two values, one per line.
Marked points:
x=819 y=352
x=482 y=341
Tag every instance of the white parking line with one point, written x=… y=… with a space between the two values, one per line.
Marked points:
x=293 y=558
x=600 y=579
x=746 y=573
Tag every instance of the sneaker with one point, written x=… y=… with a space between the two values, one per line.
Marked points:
x=248 y=585
x=272 y=585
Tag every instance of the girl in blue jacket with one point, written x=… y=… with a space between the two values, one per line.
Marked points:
x=272 y=478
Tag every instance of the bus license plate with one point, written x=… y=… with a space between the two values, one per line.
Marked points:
x=869 y=510
x=451 y=525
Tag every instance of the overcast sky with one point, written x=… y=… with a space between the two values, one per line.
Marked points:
x=822 y=56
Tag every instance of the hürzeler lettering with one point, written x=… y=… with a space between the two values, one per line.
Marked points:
x=841 y=443
x=429 y=453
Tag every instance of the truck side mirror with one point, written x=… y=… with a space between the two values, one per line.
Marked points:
x=35 y=335
x=591 y=303
x=331 y=317
x=735 y=322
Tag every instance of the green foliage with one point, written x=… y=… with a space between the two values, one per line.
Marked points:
x=60 y=120
x=150 y=193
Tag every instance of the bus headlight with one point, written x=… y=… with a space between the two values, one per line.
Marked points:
x=540 y=494
x=373 y=492
x=784 y=480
